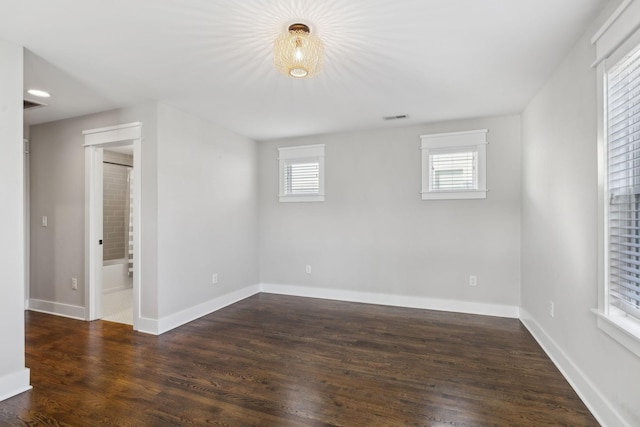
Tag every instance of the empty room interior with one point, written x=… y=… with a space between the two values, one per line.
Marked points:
x=314 y=212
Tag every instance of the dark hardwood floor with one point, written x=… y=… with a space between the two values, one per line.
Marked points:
x=285 y=361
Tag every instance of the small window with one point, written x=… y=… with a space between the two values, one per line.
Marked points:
x=301 y=173
x=453 y=165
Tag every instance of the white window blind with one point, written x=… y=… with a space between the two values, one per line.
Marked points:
x=623 y=163
x=301 y=173
x=302 y=177
x=453 y=170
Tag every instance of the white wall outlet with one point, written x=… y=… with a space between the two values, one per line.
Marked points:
x=307 y=269
x=44 y=221
x=214 y=278
x=552 y=309
x=74 y=284
x=473 y=281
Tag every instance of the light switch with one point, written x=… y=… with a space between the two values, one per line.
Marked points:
x=44 y=221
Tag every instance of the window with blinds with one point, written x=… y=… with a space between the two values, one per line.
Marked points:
x=454 y=165
x=623 y=163
x=302 y=177
x=301 y=173
x=454 y=170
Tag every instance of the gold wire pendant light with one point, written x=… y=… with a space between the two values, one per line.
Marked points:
x=298 y=53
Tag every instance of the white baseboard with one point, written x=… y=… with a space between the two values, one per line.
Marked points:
x=14 y=383
x=157 y=327
x=192 y=313
x=59 y=309
x=597 y=403
x=468 y=307
x=146 y=325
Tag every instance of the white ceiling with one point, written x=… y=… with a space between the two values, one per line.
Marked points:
x=431 y=59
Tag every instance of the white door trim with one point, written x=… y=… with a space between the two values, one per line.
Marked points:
x=93 y=232
x=94 y=142
x=27 y=224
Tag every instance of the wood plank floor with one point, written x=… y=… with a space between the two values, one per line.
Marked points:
x=285 y=361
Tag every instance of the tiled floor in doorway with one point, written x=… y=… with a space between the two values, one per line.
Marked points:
x=117 y=306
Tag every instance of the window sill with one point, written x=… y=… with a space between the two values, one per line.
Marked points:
x=306 y=198
x=454 y=195
x=621 y=328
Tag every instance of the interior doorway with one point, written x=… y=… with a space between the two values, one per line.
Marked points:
x=100 y=145
x=117 y=234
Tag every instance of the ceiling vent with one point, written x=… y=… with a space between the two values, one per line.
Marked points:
x=401 y=116
x=30 y=105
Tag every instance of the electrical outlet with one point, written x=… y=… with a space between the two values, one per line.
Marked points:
x=74 y=284
x=214 y=278
x=308 y=269
x=552 y=309
x=473 y=281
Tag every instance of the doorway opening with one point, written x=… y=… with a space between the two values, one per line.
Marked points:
x=117 y=234
x=112 y=223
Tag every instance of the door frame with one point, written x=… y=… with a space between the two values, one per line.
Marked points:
x=95 y=140
x=27 y=223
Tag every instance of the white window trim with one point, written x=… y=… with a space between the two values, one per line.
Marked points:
x=301 y=153
x=476 y=140
x=621 y=327
x=615 y=39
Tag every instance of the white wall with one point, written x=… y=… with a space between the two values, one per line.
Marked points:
x=57 y=169
x=207 y=215
x=374 y=235
x=14 y=377
x=559 y=240
x=199 y=214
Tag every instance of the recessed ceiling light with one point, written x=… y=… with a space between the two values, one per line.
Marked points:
x=39 y=93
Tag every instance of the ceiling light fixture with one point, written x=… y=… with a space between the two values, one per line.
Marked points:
x=39 y=93
x=298 y=53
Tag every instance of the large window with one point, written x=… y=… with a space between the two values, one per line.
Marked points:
x=623 y=183
x=453 y=165
x=301 y=173
x=619 y=129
